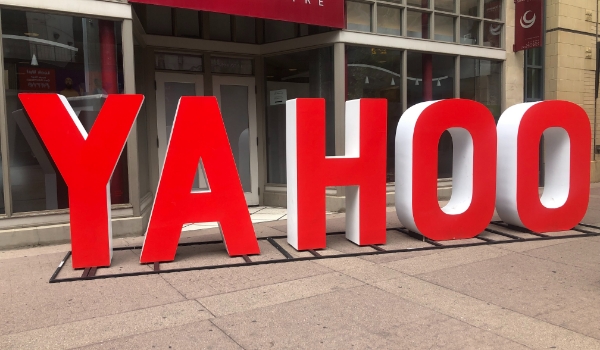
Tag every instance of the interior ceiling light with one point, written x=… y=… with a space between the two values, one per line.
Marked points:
x=393 y=82
x=366 y=80
x=293 y=69
x=34 y=61
x=35 y=35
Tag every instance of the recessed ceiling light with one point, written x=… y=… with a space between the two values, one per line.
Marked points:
x=32 y=34
x=293 y=69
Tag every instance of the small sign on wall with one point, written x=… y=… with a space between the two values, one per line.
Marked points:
x=278 y=97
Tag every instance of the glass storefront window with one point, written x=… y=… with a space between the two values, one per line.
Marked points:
x=492 y=9
x=492 y=34
x=376 y=73
x=290 y=76
x=469 y=31
x=388 y=20
x=358 y=16
x=418 y=3
x=480 y=80
x=469 y=7
x=431 y=77
x=417 y=24
x=444 y=28
x=79 y=58
x=445 y=5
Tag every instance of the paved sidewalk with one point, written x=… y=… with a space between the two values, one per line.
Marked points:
x=542 y=295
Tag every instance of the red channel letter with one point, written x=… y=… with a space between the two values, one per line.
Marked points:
x=567 y=144
x=363 y=169
x=198 y=133
x=86 y=162
x=471 y=205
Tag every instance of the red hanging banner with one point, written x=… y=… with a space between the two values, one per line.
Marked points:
x=328 y=13
x=529 y=15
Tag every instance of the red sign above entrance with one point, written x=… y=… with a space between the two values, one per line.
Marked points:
x=529 y=15
x=328 y=13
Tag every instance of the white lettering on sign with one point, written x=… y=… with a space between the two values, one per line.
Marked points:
x=320 y=2
x=307 y=1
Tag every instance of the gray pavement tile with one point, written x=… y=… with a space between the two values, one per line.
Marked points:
x=532 y=286
x=201 y=255
x=94 y=330
x=444 y=259
x=385 y=258
x=254 y=298
x=197 y=284
x=360 y=269
x=123 y=261
x=198 y=335
x=531 y=245
x=341 y=244
x=28 y=301
x=362 y=317
x=493 y=236
x=461 y=241
x=399 y=240
x=581 y=252
x=293 y=252
x=487 y=315
x=267 y=252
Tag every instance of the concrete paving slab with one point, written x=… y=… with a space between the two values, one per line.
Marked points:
x=90 y=331
x=444 y=259
x=197 y=284
x=483 y=314
x=362 y=317
x=360 y=269
x=529 y=285
x=193 y=336
x=201 y=255
x=254 y=298
x=579 y=252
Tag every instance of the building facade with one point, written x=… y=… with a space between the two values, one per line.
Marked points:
x=406 y=51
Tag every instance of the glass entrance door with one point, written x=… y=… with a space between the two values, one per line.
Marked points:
x=237 y=101
x=170 y=87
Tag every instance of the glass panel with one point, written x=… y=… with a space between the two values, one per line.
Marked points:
x=296 y=75
x=418 y=3
x=469 y=31
x=444 y=28
x=234 y=108
x=278 y=30
x=492 y=34
x=79 y=58
x=376 y=73
x=388 y=20
x=417 y=24
x=358 y=16
x=469 y=7
x=480 y=81
x=431 y=77
x=168 y=61
x=492 y=9
x=245 y=30
x=187 y=23
x=445 y=5
x=230 y=65
x=158 y=20
x=534 y=84
x=534 y=57
x=220 y=26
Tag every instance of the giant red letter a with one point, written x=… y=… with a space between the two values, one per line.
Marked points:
x=86 y=162
x=198 y=133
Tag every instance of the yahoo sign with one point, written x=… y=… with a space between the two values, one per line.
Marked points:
x=494 y=166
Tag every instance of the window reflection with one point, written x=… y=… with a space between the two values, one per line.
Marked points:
x=76 y=57
x=376 y=73
x=296 y=75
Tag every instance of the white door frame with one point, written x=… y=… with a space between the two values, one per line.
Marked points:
x=250 y=82
x=161 y=79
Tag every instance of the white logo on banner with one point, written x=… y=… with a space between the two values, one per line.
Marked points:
x=527 y=23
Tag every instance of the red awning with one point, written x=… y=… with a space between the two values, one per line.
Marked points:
x=328 y=13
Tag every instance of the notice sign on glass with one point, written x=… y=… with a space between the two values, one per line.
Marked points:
x=528 y=24
x=37 y=79
x=278 y=97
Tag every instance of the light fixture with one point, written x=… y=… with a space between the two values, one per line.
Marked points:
x=293 y=69
x=32 y=34
x=393 y=82
x=366 y=80
x=439 y=82
x=34 y=61
x=416 y=81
